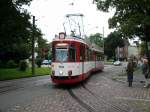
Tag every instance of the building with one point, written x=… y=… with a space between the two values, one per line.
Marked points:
x=133 y=51
x=122 y=52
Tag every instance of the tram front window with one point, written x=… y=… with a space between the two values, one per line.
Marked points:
x=61 y=55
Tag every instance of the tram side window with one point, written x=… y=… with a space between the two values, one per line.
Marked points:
x=101 y=57
x=82 y=52
x=91 y=55
x=98 y=57
x=86 y=54
x=72 y=54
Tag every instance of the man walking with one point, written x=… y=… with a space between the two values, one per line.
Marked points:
x=145 y=70
x=130 y=70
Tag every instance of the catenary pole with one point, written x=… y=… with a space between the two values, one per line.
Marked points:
x=103 y=40
x=33 y=47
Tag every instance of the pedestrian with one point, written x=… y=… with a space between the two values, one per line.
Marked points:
x=130 y=70
x=140 y=64
x=145 y=70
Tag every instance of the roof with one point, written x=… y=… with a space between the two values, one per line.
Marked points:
x=81 y=40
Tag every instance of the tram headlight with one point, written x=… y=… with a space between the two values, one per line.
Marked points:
x=60 y=72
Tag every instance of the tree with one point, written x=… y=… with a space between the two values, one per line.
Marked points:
x=112 y=42
x=143 y=47
x=131 y=17
x=15 y=30
x=43 y=48
x=97 y=39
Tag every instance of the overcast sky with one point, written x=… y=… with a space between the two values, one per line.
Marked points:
x=50 y=15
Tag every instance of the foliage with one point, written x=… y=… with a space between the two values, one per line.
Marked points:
x=112 y=42
x=143 y=47
x=19 y=3
x=2 y=64
x=11 y=64
x=97 y=39
x=23 y=65
x=8 y=64
x=38 y=61
x=15 y=30
x=131 y=17
x=42 y=48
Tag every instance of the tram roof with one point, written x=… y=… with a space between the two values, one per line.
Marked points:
x=81 y=40
x=70 y=38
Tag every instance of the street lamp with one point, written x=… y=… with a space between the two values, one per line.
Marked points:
x=103 y=40
x=33 y=44
x=33 y=47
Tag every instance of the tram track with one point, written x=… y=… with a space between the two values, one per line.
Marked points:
x=101 y=100
x=81 y=102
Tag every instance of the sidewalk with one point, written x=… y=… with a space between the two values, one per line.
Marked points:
x=138 y=77
x=136 y=97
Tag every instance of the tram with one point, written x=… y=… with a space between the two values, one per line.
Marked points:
x=74 y=59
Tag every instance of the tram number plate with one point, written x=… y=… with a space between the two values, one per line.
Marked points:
x=61 y=66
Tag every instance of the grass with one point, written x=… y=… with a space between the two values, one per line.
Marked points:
x=108 y=63
x=15 y=73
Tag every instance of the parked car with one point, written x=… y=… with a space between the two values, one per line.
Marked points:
x=117 y=63
x=46 y=62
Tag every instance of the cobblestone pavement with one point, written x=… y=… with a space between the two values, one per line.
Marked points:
x=100 y=93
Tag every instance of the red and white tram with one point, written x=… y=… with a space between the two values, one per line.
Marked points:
x=74 y=59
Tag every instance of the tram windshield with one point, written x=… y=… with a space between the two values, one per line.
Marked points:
x=61 y=54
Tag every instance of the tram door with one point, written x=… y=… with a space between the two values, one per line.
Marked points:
x=82 y=58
